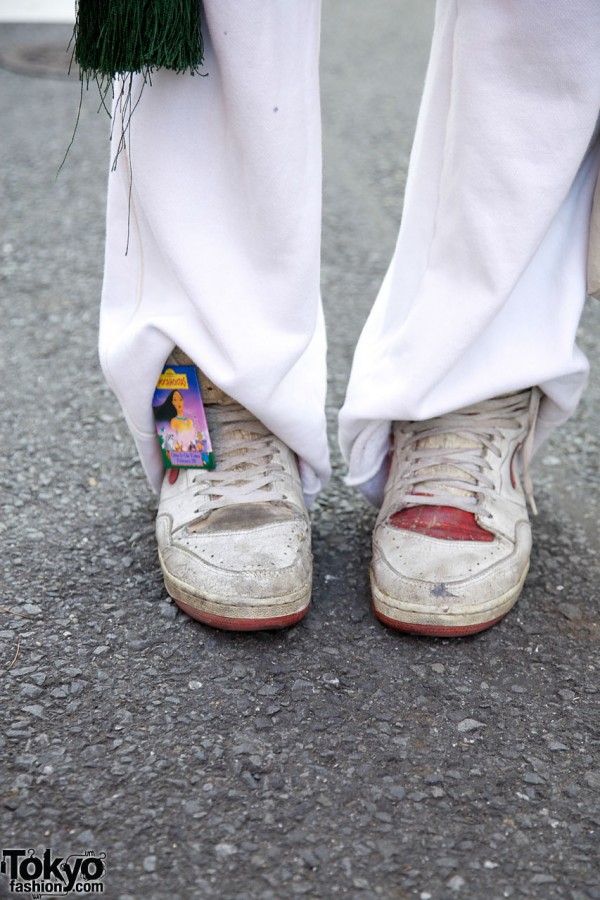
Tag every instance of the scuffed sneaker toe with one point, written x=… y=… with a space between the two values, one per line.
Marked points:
x=452 y=541
x=234 y=542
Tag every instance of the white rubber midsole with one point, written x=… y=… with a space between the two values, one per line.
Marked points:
x=417 y=614
x=243 y=608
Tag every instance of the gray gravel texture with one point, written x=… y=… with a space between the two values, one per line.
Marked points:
x=336 y=758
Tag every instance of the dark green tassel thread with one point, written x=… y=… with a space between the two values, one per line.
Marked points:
x=113 y=37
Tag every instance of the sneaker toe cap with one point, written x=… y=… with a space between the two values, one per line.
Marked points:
x=262 y=562
x=409 y=567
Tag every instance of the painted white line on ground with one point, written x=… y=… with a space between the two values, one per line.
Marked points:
x=37 y=11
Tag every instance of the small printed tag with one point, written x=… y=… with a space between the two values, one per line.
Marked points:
x=181 y=421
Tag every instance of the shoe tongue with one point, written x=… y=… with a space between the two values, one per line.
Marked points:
x=211 y=394
x=452 y=441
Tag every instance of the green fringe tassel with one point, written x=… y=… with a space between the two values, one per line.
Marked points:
x=113 y=37
x=121 y=37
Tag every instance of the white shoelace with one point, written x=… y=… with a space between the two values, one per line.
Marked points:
x=247 y=461
x=444 y=459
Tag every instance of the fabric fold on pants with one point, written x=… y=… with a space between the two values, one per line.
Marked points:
x=224 y=233
x=485 y=290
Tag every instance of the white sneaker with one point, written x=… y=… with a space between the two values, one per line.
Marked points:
x=452 y=541
x=234 y=542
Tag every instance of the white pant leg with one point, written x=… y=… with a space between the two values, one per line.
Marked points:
x=485 y=289
x=224 y=247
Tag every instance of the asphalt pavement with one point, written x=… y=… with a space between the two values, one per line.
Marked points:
x=336 y=758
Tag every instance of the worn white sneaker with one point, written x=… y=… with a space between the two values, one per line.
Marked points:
x=452 y=541
x=234 y=542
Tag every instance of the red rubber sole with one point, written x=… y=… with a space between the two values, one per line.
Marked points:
x=229 y=623
x=441 y=631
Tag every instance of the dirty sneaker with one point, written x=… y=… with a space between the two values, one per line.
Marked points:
x=452 y=541
x=234 y=542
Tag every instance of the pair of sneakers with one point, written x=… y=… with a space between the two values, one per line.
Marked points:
x=451 y=543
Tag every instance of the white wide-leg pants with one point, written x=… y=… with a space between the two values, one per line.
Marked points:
x=224 y=247
x=485 y=290
x=486 y=286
